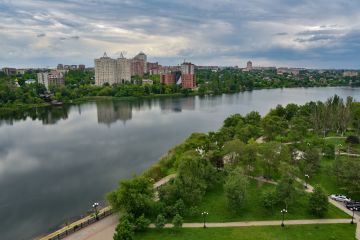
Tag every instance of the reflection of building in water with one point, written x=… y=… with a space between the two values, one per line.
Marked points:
x=53 y=115
x=111 y=112
x=177 y=104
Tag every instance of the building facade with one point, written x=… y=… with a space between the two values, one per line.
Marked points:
x=9 y=71
x=350 y=74
x=188 y=79
x=53 y=77
x=112 y=71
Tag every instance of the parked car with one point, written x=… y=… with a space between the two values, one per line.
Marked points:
x=340 y=198
x=353 y=206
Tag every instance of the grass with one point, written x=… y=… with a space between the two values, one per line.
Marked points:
x=293 y=232
x=215 y=203
x=326 y=178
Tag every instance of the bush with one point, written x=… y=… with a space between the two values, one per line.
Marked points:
x=329 y=150
x=124 y=231
x=180 y=207
x=160 y=221
x=352 y=140
x=141 y=223
x=177 y=221
x=193 y=211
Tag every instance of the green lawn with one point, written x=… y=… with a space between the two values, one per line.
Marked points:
x=215 y=204
x=294 y=232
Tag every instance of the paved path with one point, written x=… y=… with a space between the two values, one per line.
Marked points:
x=259 y=223
x=102 y=230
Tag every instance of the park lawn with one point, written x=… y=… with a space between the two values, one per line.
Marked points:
x=326 y=178
x=215 y=203
x=290 y=232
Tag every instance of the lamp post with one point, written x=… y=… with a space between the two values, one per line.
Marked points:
x=306 y=178
x=283 y=211
x=352 y=219
x=204 y=214
x=95 y=206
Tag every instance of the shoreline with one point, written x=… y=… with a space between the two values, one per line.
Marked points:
x=14 y=107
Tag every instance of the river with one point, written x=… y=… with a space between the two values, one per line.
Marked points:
x=56 y=162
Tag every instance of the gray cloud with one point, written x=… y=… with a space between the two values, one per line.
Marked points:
x=225 y=31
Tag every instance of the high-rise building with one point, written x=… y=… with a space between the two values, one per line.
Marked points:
x=249 y=66
x=112 y=71
x=137 y=67
x=60 y=66
x=142 y=57
x=53 y=77
x=81 y=67
x=168 y=78
x=188 y=79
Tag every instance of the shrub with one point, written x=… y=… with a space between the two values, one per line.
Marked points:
x=177 y=221
x=141 y=223
x=160 y=221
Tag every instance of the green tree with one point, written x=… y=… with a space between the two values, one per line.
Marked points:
x=235 y=188
x=134 y=196
x=124 y=231
x=318 y=202
x=286 y=191
x=270 y=199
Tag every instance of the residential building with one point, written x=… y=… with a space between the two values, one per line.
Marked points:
x=81 y=67
x=293 y=71
x=60 y=66
x=137 y=67
x=53 y=77
x=112 y=71
x=249 y=66
x=142 y=58
x=188 y=79
x=350 y=74
x=168 y=78
x=9 y=71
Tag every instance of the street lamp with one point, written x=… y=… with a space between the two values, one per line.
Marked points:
x=283 y=216
x=95 y=206
x=306 y=178
x=204 y=214
x=352 y=219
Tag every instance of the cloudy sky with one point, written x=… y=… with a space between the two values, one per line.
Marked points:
x=297 y=33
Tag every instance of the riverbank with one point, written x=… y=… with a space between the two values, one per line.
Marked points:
x=23 y=106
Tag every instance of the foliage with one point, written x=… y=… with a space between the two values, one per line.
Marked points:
x=270 y=199
x=124 y=231
x=286 y=191
x=141 y=223
x=177 y=221
x=133 y=196
x=235 y=188
x=352 y=140
x=318 y=202
x=160 y=221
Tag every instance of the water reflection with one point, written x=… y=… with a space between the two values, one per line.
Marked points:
x=111 y=112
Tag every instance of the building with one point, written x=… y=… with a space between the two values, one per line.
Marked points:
x=81 y=67
x=350 y=74
x=142 y=58
x=30 y=81
x=168 y=78
x=112 y=71
x=249 y=66
x=137 y=67
x=188 y=79
x=153 y=68
x=9 y=71
x=292 y=71
x=60 y=66
x=21 y=71
x=147 y=81
x=53 y=77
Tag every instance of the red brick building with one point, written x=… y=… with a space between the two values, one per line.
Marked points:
x=168 y=78
x=188 y=80
x=137 y=67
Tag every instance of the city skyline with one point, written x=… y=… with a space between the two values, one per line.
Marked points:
x=321 y=34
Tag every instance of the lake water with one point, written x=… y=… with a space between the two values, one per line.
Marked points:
x=55 y=163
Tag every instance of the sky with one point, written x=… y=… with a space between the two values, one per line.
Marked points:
x=281 y=33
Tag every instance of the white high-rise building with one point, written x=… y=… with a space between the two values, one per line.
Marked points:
x=112 y=71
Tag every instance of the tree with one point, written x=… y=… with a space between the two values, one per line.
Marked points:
x=318 y=202
x=141 y=223
x=134 y=196
x=273 y=126
x=286 y=190
x=270 y=199
x=124 y=231
x=160 y=221
x=311 y=161
x=235 y=188
x=177 y=221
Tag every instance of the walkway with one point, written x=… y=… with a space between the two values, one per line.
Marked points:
x=260 y=223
